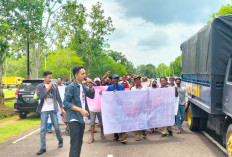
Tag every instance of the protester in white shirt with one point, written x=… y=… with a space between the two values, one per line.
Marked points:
x=139 y=86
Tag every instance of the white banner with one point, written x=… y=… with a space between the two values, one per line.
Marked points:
x=61 y=91
x=125 y=111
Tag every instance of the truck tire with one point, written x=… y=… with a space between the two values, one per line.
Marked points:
x=193 y=122
x=229 y=141
x=23 y=115
x=203 y=124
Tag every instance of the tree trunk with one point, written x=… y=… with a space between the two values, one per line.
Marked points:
x=1 y=88
x=36 y=61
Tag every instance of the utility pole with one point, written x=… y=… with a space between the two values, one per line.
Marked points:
x=45 y=63
x=28 y=58
x=28 y=52
x=5 y=74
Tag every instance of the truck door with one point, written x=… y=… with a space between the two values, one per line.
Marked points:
x=227 y=91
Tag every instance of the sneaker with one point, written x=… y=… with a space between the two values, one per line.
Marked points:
x=179 y=131
x=60 y=145
x=123 y=141
x=170 y=133
x=144 y=134
x=41 y=151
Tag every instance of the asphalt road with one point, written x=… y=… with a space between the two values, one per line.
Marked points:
x=187 y=144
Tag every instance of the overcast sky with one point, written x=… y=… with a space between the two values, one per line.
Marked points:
x=151 y=31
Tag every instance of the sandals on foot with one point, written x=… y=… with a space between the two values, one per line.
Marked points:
x=91 y=141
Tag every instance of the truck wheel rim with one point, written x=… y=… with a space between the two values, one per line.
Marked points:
x=189 y=117
x=229 y=145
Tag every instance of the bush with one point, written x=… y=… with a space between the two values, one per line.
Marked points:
x=6 y=112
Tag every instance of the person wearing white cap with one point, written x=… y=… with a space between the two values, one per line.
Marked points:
x=97 y=80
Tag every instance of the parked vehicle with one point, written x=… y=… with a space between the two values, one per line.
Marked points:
x=207 y=75
x=25 y=102
x=12 y=81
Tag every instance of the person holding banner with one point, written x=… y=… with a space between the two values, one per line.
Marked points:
x=171 y=82
x=139 y=86
x=165 y=130
x=117 y=87
x=95 y=112
x=76 y=106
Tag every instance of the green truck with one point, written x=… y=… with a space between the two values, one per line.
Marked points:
x=207 y=75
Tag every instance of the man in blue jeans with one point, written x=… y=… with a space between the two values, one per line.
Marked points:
x=49 y=99
x=76 y=106
x=183 y=100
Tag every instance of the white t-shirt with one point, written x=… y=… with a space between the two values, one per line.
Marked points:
x=48 y=102
x=143 y=88
x=82 y=98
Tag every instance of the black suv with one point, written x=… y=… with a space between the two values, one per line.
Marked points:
x=25 y=102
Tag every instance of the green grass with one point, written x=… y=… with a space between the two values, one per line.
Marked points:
x=9 y=118
x=11 y=130
x=9 y=103
x=9 y=93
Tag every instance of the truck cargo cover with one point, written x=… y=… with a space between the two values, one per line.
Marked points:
x=208 y=51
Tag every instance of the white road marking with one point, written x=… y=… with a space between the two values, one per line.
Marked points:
x=215 y=142
x=110 y=155
x=25 y=136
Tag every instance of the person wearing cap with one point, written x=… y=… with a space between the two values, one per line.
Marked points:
x=117 y=87
x=67 y=81
x=97 y=80
x=139 y=86
x=154 y=84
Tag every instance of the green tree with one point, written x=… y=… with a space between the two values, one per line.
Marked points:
x=162 y=70
x=176 y=67
x=86 y=38
x=224 y=10
x=120 y=58
x=30 y=18
x=4 y=45
x=17 y=67
x=148 y=70
x=62 y=61
x=104 y=64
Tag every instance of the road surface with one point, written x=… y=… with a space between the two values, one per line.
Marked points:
x=187 y=144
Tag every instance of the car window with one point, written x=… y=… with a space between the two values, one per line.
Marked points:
x=28 y=86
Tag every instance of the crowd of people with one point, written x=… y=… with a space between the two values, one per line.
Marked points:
x=74 y=107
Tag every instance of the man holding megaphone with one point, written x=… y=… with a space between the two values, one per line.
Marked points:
x=76 y=106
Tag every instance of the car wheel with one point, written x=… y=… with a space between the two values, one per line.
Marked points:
x=23 y=115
